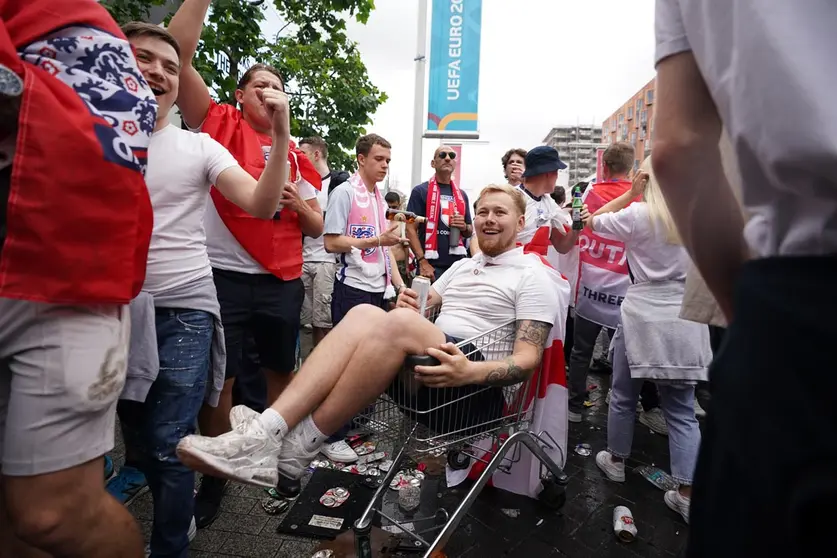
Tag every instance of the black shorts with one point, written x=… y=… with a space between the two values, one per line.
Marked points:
x=766 y=476
x=446 y=410
x=265 y=308
x=344 y=298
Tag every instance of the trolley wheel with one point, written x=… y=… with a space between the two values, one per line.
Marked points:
x=458 y=461
x=552 y=495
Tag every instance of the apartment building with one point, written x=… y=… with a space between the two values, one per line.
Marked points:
x=633 y=122
x=577 y=146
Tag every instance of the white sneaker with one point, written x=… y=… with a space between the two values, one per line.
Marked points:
x=678 y=503
x=339 y=451
x=294 y=459
x=241 y=414
x=613 y=470
x=607 y=397
x=572 y=416
x=654 y=420
x=193 y=531
x=699 y=412
x=248 y=454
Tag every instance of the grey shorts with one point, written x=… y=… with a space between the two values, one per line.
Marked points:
x=62 y=369
x=318 y=278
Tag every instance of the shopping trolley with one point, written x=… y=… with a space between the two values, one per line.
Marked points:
x=425 y=422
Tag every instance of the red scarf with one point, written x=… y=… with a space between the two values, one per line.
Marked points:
x=276 y=244
x=431 y=240
x=79 y=216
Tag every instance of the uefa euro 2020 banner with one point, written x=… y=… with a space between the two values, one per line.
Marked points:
x=454 y=68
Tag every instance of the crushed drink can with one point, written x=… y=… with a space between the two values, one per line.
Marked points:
x=334 y=497
x=409 y=498
x=321 y=464
x=373 y=472
x=371 y=458
x=385 y=465
x=273 y=506
x=583 y=450
x=365 y=448
x=623 y=524
x=328 y=553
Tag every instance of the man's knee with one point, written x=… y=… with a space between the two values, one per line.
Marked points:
x=364 y=314
x=52 y=511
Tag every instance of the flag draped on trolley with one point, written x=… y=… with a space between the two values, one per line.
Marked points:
x=546 y=405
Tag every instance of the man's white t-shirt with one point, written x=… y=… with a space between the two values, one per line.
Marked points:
x=336 y=221
x=225 y=252
x=541 y=212
x=480 y=294
x=769 y=66
x=313 y=249
x=650 y=257
x=181 y=167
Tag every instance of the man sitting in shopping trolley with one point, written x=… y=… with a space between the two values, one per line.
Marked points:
x=361 y=358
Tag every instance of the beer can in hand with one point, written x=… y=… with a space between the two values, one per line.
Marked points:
x=623 y=524
x=422 y=287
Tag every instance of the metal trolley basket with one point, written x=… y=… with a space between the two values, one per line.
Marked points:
x=426 y=422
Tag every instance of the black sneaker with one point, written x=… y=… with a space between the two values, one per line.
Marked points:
x=208 y=500
x=288 y=488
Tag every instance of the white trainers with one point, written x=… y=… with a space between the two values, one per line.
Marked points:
x=654 y=420
x=339 y=451
x=294 y=459
x=699 y=412
x=678 y=503
x=241 y=414
x=248 y=454
x=613 y=470
x=572 y=416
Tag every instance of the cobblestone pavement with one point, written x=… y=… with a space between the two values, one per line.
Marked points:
x=582 y=529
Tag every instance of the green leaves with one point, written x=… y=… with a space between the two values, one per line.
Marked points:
x=327 y=82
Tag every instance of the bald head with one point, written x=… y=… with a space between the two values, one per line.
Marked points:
x=444 y=163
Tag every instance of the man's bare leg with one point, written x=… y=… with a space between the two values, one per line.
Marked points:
x=69 y=513
x=354 y=365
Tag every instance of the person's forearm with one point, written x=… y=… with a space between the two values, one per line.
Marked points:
x=707 y=214
x=342 y=244
x=616 y=204
x=310 y=221
x=186 y=27
x=267 y=194
x=397 y=280
x=508 y=372
x=563 y=243
x=415 y=243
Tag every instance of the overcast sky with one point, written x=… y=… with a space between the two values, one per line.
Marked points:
x=543 y=63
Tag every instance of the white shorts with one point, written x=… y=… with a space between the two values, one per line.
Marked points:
x=62 y=368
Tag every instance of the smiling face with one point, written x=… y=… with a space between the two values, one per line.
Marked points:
x=253 y=108
x=498 y=221
x=160 y=66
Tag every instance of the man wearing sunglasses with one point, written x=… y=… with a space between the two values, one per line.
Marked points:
x=444 y=206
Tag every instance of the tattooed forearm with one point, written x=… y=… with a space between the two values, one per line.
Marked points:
x=533 y=332
x=507 y=374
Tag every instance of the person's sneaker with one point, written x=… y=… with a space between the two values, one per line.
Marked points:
x=654 y=420
x=294 y=459
x=339 y=451
x=208 y=500
x=193 y=531
x=248 y=454
x=109 y=470
x=678 y=503
x=699 y=412
x=127 y=485
x=573 y=416
x=607 y=397
x=613 y=470
x=240 y=414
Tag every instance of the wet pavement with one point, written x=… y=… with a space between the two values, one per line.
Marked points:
x=498 y=524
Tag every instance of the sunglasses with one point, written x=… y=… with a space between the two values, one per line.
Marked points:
x=443 y=154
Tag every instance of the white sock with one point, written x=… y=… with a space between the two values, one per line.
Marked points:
x=274 y=422
x=313 y=437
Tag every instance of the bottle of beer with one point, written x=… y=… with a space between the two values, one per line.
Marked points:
x=404 y=216
x=578 y=224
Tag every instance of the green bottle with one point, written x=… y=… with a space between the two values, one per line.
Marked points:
x=577 y=206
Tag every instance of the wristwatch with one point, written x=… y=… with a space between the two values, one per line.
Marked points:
x=11 y=84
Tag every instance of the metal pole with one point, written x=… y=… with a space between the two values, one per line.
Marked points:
x=419 y=111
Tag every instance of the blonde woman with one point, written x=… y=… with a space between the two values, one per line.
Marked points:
x=653 y=343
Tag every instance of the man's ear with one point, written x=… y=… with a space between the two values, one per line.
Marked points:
x=433 y=163
x=521 y=222
x=361 y=160
x=239 y=95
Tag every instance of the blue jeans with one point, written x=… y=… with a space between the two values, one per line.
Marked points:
x=677 y=403
x=170 y=412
